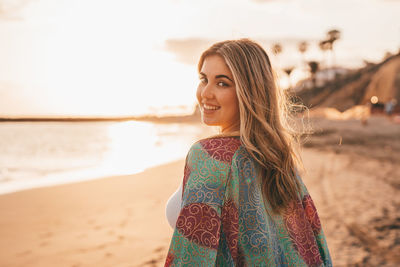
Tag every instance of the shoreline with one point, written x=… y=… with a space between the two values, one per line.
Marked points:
x=191 y=118
x=52 y=181
x=42 y=177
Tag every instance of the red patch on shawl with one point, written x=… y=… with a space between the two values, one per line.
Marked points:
x=230 y=221
x=311 y=214
x=301 y=233
x=169 y=260
x=221 y=148
x=200 y=223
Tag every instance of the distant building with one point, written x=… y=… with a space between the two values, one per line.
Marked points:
x=321 y=78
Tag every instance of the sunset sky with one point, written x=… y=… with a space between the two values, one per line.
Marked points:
x=123 y=57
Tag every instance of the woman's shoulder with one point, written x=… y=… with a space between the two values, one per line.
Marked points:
x=220 y=138
x=218 y=147
x=219 y=142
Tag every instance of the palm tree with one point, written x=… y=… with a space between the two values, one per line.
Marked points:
x=276 y=49
x=314 y=66
x=332 y=36
x=325 y=45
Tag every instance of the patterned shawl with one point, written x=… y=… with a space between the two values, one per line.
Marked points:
x=223 y=222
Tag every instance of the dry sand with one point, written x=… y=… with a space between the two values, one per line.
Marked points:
x=352 y=175
x=116 y=221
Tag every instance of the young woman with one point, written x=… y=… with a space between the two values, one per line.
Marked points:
x=242 y=202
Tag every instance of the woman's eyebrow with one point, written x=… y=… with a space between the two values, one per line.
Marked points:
x=218 y=76
x=223 y=76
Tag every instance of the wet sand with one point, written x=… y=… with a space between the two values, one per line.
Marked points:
x=352 y=175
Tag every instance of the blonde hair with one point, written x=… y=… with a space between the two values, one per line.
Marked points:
x=264 y=116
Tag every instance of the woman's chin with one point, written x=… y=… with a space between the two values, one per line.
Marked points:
x=209 y=122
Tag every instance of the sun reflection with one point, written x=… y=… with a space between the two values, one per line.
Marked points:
x=128 y=150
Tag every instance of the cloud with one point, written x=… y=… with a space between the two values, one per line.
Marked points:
x=187 y=50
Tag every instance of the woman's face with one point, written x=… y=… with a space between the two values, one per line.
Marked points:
x=216 y=94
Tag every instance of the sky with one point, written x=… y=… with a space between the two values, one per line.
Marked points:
x=123 y=57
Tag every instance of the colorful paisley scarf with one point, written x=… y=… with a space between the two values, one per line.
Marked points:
x=223 y=222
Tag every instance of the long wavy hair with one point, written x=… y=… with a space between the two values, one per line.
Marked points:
x=264 y=110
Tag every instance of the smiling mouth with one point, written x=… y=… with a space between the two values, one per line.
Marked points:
x=209 y=107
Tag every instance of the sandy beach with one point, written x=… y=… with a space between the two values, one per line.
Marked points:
x=116 y=221
x=120 y=221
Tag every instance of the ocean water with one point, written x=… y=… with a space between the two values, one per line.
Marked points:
x=36 y=154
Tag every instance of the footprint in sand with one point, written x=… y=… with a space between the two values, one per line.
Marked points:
x=102 y=246
x=45 y=235
x=151 y=262
x=158 y=249
x=23 y=253
x=43 y=244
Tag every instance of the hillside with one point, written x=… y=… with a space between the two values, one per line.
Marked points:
x=356 y=88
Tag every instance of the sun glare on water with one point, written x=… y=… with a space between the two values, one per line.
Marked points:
x=126 y=143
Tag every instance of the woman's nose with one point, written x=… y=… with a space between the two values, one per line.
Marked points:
x=207 y=92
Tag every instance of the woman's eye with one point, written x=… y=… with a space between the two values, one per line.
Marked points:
x=203 y=80
x=222 y=84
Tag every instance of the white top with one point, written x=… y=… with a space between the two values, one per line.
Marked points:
x=173 y=207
